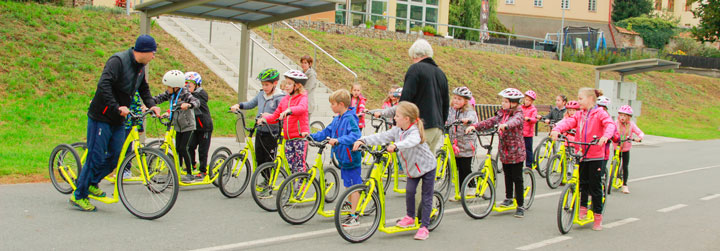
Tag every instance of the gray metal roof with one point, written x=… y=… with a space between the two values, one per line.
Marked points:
x=253 y=13
x=638 y=66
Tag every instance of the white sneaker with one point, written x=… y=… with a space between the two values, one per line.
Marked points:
x=625 y=190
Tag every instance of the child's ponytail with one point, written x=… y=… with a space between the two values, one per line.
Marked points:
x=421 y=128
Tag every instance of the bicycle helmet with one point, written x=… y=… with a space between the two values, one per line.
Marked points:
x=572 y=105
x=463 y=92
x=603 y=101
x=194 y=77
x=297 y=76
x=397 y=93
x=626 y=109
x=511 y=93
x=531 y=94
x=174 y=78
x=268 y=75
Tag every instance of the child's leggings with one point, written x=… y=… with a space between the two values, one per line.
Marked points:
x=428 y=180
x=295 y=151
x=625 y=160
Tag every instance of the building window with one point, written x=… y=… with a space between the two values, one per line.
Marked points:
x=340 y=14
x=658 y=4
x=509 y=1
x=538 y=3
x=592 y=5
x=416 y=13
x=565 y=4
x=671 y=5
x=378 y=8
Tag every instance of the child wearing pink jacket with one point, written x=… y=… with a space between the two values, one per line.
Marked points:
x=626 y=129
x=589 y=123
x=529 y=121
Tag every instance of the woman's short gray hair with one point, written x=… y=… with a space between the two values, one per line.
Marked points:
x=421 y=48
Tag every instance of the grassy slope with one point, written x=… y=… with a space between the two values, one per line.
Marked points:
x=674 y=105
x=50 y=61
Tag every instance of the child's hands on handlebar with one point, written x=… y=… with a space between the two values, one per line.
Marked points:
x=357 y=144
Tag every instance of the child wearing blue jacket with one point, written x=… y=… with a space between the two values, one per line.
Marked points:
x=344 y=131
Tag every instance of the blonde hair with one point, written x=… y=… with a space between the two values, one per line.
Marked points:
x=467 y=106
x=340 y=96
x=410 y=110
x=590 y=93
x=299 y=89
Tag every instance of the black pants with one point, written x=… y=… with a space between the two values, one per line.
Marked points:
x=464 y=168
x=590 y=174
x=200 y=141
x=514 y=177
x=181 y=145
x=625 y=160
x=265 y=147
x=529 y=158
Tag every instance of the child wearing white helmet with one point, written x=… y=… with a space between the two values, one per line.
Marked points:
x=181 y=112
x=511 y=147
x=604 y=102
x=293 y=111
x=626 y=129
x=463 y=143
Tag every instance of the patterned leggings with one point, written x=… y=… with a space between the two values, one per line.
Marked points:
x=295 y=151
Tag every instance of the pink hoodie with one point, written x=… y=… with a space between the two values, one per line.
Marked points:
x=626 y=131
x=295 y=123
x=529 y=126
x=595 y=122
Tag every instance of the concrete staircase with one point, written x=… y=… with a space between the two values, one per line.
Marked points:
x=221 y=53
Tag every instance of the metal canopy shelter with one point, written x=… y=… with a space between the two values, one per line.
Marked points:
x=635 y=67
x=247 y=13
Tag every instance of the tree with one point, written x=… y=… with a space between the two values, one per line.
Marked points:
x=467 y=13
x=708 y=30
x=655 y=31
x=624 y=9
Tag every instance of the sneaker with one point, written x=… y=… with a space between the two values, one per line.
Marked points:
x=583 y=213
x=597 y=225
x=83 y=204
x=265 y=193
x=506 y=203
x=200 y=176
x=519 y=213
x=422 y=234
x=406 y=222
x=127 y=174
x=188 y=178
x=625 y=190
x=95 y=191
x=351 y=221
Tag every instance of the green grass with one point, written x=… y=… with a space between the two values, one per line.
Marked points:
x=50 y=60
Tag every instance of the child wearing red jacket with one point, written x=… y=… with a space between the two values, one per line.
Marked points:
x=529 y=121
x=590 y=122
x=293 y=111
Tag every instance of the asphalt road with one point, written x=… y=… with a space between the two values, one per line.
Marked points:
x=674 y=196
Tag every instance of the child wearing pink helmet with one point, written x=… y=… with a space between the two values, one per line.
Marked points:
x=529 y=121
x=626 y=129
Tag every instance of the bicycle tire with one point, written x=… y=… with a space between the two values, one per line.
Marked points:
x=331 y=176
x=530 y=197
x=266 y=201
x=59 y=158
x=389 y=171
x=287 y=189
x=147 y=186
x=541 y=162
x=438 y=203
x=229 y=175
x=486 y=201
x=442 y=184
x=223 y=150
x=341 y=209
x=555 y=170
x=565 y=214
x=155 y=144
x=216 y=163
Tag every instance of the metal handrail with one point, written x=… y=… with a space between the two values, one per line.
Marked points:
x=322 y=50
x=265 y=49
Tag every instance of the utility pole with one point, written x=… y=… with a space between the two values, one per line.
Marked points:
x=561 y=39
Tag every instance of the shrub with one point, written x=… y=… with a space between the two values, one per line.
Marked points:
x=656 y=32
x=603 y=57
x=429 y=29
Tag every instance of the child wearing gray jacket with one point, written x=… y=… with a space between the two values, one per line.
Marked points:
x=408 y=139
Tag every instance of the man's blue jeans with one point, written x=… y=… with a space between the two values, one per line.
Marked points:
x=104 y=144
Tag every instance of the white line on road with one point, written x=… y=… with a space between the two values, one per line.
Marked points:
x=620 y=223
x=672 y=208
x=544 y=243
x=710 y=197
x=283 y=238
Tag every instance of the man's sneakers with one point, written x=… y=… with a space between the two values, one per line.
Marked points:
x=83 y=204
x=406 y=222
x=422 y=234
x=520 y=212
x=95 y=191
x=351 y=221
x=506 y=203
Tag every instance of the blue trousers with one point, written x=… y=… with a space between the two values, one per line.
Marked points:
x=529 y=158
x=428 y=181
x=104 y=144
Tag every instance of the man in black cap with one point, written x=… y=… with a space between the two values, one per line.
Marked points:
x=124 y=73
